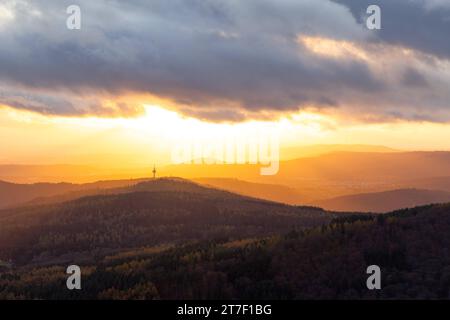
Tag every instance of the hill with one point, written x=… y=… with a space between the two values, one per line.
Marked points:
x=293 y=153
x=329 y=262
x=273 y=192
x=149 y=213
x=46 y=173
x=13 y=194
x=72 y=173
x=436 y=183
x=334 y=174
x=52 y=194
x=314 y=178
x=369 y=166
x=384 y=201
x=336 y=166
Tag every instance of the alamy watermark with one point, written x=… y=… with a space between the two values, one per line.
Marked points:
x=374 y=281
x=74 y=280
x=262 y=147
x=73 y=21
x=373 y=21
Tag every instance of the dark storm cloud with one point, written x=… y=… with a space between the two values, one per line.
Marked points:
x=218 y=60
x=419 y=24
x=413 y=78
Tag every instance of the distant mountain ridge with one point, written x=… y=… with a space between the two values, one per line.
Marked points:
x=293 y=153
x=390 y=166
x=386 y=201
x=13 y=194
x=380 y=167
x=406 y=195
x=51 y=193
x=274 y=192
x=300 y=181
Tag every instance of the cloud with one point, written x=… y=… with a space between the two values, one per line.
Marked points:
x=70 y=105
x=417 y=24
x=220 y=59
x=435 y=4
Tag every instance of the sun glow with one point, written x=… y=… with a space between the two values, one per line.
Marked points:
x=333 y=48
x=151 y=137
x=6 y=15
x=143 y=139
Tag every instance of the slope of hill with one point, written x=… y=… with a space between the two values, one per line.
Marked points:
x=325 y=176
x=330 y=262
x=47 y=173
x=273 y=192
x=369 y=166
x=46 y=193
x=299 y=181
x=337 y=166
x=434 y=183
x=384 y=201
x=334 y=174
x=69 y=173
x=13 y=194
x=322 y=149
x=149 y=213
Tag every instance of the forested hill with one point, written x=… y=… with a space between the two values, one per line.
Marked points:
x=165 y=211
x=13 y=194
x=161 y=184
x=329 y=262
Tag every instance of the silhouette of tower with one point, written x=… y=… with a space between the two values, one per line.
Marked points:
x=154 y=172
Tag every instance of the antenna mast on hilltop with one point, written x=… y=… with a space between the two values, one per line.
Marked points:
x=154 y=172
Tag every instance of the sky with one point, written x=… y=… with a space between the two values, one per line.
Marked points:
x=142 y=75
